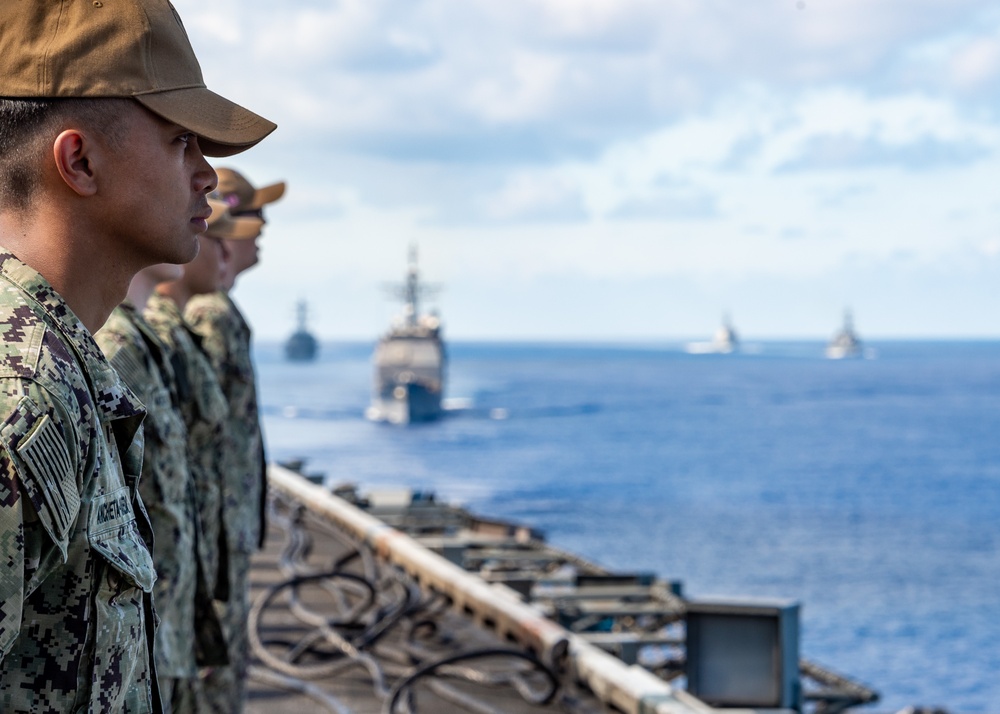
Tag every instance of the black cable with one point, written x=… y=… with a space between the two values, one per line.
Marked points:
x=258 y=646
x=431 y=668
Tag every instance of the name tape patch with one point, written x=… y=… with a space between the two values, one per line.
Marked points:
x=110 y=511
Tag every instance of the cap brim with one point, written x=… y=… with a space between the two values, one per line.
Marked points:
x=224 y=128
x=223 y=225
x=268 y=194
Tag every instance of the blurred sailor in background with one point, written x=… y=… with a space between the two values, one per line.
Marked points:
x=226 y=340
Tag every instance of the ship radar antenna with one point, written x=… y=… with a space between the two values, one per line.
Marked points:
x=413 y=290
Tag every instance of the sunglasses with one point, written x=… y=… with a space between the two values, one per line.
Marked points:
x=252 y=213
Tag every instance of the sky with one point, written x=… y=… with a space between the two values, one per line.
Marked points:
x=621 y=170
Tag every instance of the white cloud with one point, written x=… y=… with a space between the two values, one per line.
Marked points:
x=524 y=91
x=534 y=197
x=696 y=141
x=976 y=63
x=991 y=247
x=595 y=70
x=697 y=152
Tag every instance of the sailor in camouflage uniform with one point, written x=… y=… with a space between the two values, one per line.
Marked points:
x=103 y=111
x=203 y=404
x=77 y=566
x=205 y=407
x=180 y=595
x=226 y=340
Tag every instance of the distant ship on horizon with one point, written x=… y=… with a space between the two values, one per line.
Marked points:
x=724 y=342
x=845 y=343
x=302 y=346
x=409 y=359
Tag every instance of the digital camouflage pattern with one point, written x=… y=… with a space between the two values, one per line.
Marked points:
x=226 y=339
x=76 y=622
x=204 y=409
x=166 y=487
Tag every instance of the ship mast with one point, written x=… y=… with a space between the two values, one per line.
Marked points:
x=412 y=295
x=300 y=312
x=412 y=290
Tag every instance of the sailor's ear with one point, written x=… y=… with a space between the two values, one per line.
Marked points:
x=71 y=151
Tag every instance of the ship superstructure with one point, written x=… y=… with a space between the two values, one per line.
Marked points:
x=845 y=342
x=409 y=360
x=725 y=339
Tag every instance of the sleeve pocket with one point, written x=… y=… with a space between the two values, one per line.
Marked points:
x=114 y=534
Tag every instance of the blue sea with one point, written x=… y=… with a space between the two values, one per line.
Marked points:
x=868 y=490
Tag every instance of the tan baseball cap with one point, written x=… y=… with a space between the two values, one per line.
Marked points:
x=119 y=48
x=224 y=225
x=241 y=196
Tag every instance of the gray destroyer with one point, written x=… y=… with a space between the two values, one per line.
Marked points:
x=302 y=346
x=409 y=359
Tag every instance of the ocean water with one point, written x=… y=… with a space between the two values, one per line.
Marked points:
x=867 y=490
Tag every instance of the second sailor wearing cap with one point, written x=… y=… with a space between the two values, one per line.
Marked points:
x=226 y=337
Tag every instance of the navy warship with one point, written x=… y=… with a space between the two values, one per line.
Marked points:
x=724 y=342
x=409 y=359
x=301 y=345
x=845 y=343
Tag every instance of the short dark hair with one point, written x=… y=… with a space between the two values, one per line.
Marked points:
x=23 y=128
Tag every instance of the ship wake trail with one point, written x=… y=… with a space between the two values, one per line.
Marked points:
x=292 y=412
x=466 y=410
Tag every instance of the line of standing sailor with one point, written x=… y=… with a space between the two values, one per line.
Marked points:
x=203 y=463
x=105 y=123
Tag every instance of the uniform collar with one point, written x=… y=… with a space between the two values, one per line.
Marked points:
x=168 y=313
x=165 y=307
x=227 y=300
x=114 y=400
